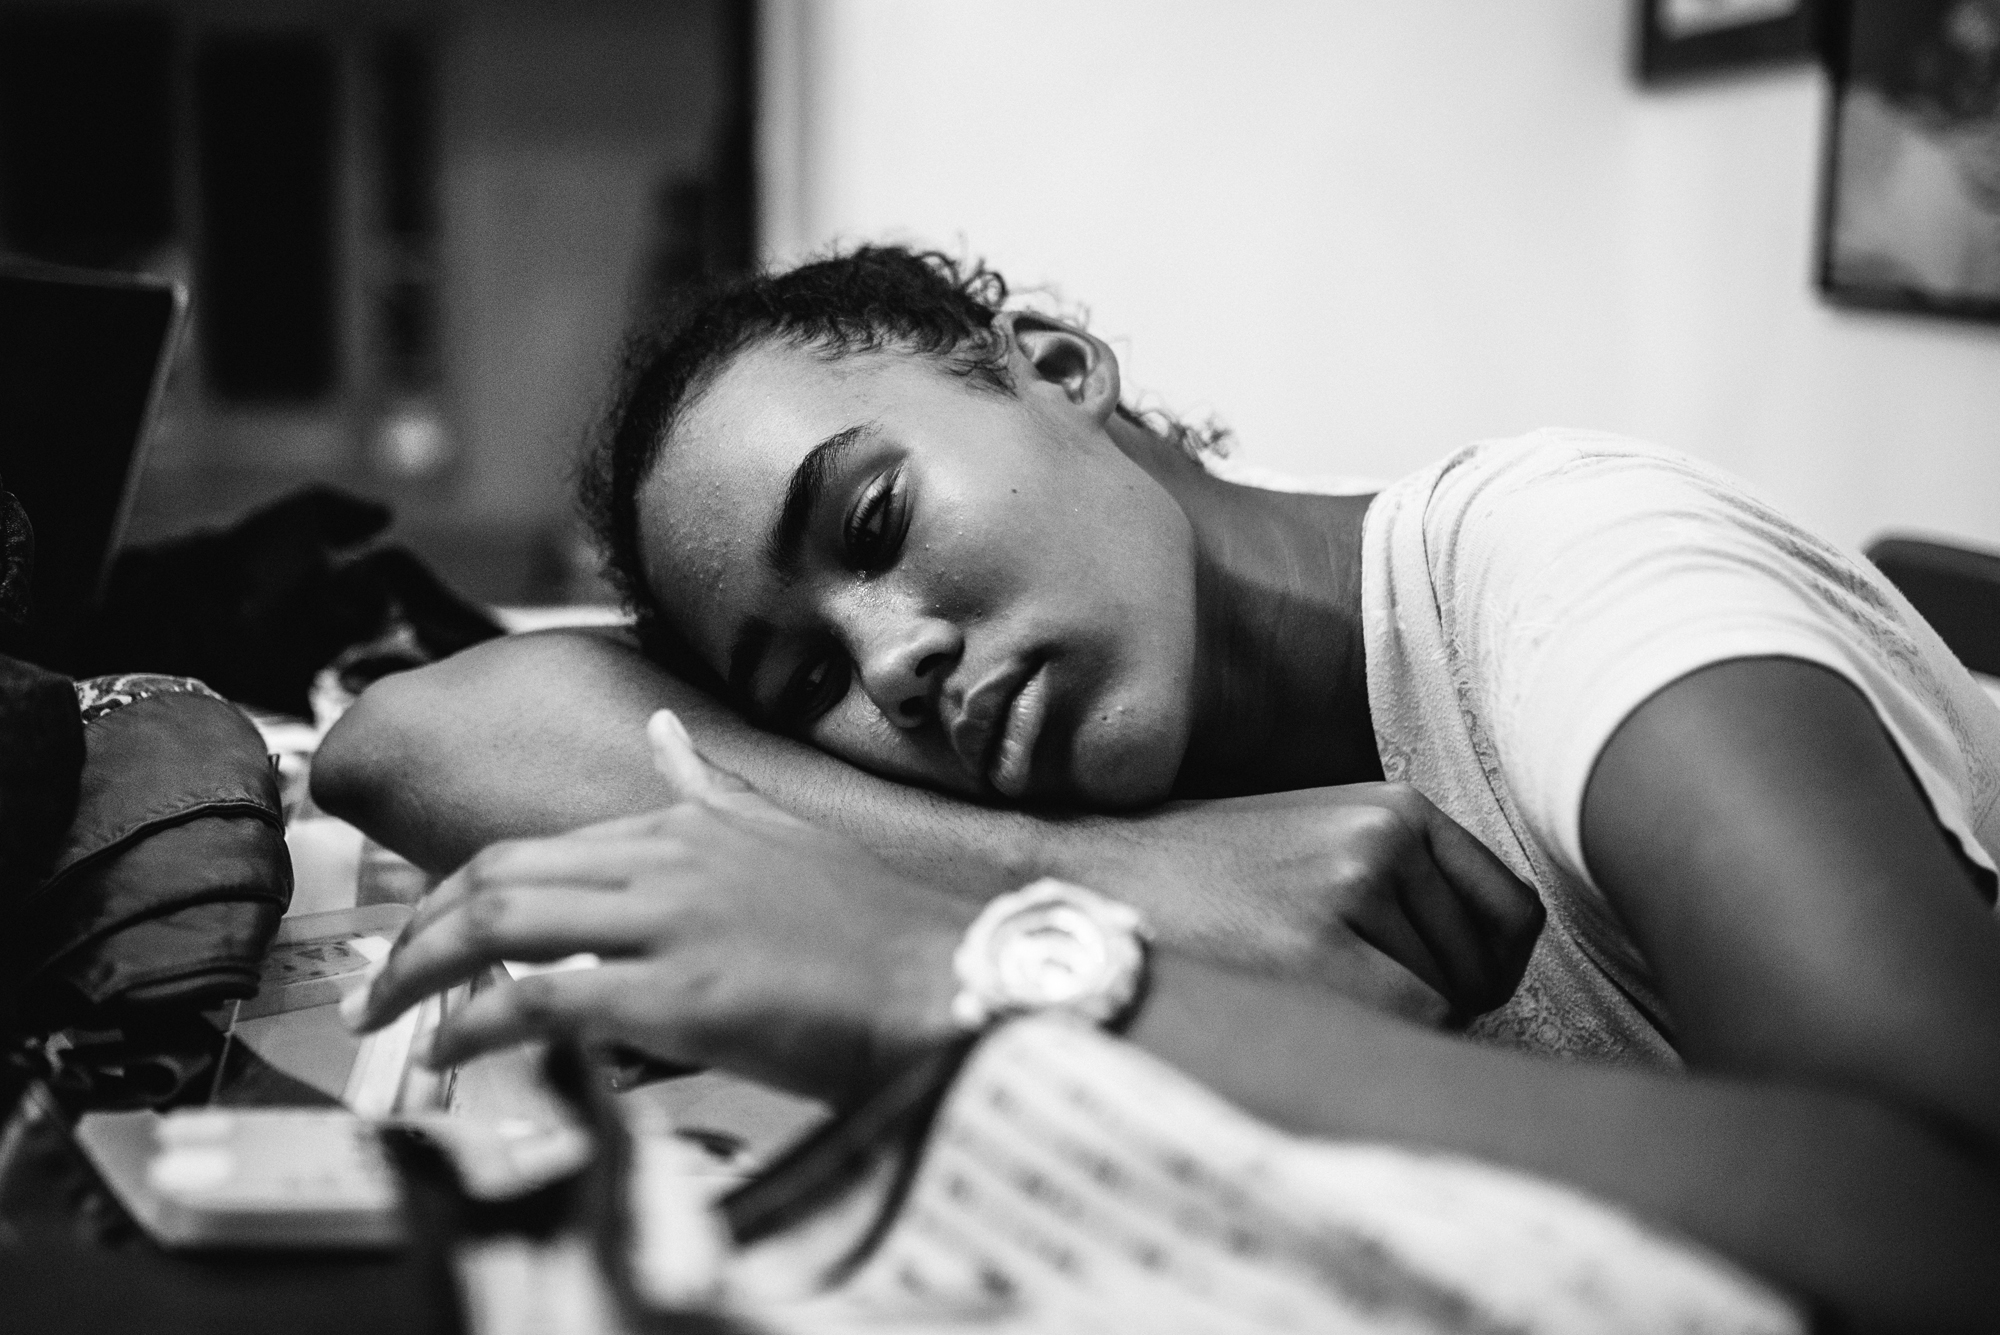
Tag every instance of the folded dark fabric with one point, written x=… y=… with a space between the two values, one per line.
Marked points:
x=171 y=880
x=17 y=570
x=41 y=760
x=258 y=609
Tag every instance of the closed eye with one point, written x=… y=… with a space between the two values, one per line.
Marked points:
x=814 y=687
x=873 y=533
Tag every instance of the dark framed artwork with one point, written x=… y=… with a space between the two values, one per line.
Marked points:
x=1681 y=39
x=1910 y=210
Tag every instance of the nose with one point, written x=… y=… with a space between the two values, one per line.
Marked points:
x=903 y=660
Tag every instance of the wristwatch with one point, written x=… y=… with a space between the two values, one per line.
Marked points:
x=1050 y=945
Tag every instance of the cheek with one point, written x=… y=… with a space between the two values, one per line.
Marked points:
x=1128 y=747
x=984 y=536
x=1135 y=728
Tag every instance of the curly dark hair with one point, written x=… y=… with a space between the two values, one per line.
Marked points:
x=863 y=300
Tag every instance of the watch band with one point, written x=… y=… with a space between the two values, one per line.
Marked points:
x=1050 y=945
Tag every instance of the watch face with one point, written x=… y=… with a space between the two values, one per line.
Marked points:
x=1050 y=955
x=1050 y=946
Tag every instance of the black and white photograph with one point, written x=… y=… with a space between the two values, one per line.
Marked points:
x=815 y=667
x=1913 y=175
x=1681 y=39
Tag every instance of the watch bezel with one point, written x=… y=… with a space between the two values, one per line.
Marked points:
x=988 y=980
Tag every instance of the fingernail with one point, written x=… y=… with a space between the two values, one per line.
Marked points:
x=423 y=1049
x=664 y=729
x=675 y=758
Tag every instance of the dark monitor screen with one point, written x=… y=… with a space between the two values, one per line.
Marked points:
x=82 y=360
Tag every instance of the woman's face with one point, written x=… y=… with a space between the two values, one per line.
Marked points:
x=939 y=582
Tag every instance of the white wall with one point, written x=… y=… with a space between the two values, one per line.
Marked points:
x=1363 y=232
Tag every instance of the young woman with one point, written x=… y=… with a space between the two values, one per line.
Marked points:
x=880 y=513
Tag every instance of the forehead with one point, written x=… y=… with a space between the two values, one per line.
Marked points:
x=706 y=507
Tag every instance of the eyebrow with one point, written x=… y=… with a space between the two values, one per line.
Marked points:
x=784 y=547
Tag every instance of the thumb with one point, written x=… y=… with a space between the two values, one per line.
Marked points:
x=675 y=757
x=693 y=779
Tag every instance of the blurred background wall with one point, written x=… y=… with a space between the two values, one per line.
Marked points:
x=1365 y=233
x=1359 y=233
x=567 y=129
x=415 y=231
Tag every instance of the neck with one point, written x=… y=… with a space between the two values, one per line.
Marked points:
x=1281 y=689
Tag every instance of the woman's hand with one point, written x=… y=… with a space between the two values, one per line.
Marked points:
x=1367 y=889
x=1343 y=886
x=731 y=934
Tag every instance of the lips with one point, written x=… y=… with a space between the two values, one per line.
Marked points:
x=996 y=730
x=1014 y=752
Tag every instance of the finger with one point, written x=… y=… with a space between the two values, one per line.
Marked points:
x=528 y=923
x=521 y=922
x=611 y=861
x=1364 y=973
x=1506 y=912
x=445 y=896
x=681 y=765
x=1380 y=922
x=609 y=858
x=635 y=826
x=450 y=894
x=1473 y=977
x=591 y=1004
x=694 y=778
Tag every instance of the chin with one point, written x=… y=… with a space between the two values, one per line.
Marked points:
x=1124 y=771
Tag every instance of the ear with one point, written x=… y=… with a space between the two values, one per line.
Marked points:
x=1062 y=357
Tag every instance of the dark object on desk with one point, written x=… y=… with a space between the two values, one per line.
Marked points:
x=591 y=1203
x=258 y=609
x=170 y=881
x=72 y=1259
x=53 y=1290
x=17 y=569
x=179 y=1059
x=41 y=761
x=1956 y=589
x=84 y=357
x=255 y=611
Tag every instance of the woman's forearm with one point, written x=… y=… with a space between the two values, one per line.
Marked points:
x=536 y=735
x=539 y=734
x=1849 y=1203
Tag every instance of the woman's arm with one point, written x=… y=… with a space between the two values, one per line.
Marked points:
x=537 y=734
x=1860 y=1174
x=1859 y=1207
x=1805 y=914
x=1834 y=979
x=1368 y=888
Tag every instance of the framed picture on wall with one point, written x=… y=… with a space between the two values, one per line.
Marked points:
x=1687 y=38
x=1911 y=204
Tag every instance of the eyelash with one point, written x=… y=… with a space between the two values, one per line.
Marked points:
x=877 y=506
x=804 y=700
